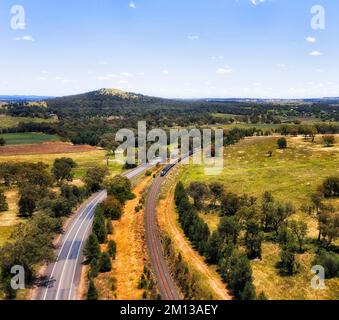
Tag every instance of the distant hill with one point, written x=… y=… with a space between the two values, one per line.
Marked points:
x=111 y=102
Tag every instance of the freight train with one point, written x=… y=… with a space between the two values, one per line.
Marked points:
x=175 y=162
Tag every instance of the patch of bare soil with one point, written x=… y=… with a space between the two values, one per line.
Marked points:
x=44 y=148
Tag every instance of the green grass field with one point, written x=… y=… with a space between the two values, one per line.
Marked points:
x=12 y=122
x=291 y=175
x=28 y=138
x=264 y=126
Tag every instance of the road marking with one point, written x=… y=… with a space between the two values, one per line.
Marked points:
x=78 y=254
x=63 y=245
x=74 y=238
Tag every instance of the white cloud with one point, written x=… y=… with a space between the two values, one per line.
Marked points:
x=193 y=37
x=24 y=38
x=256 y=2
x=320 y=70
x=165 y=72
x=281 y=65
x=132 y=5
x=226 y=70
x=316 y=54
x=311 y=39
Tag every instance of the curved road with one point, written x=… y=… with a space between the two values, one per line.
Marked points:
x=166 y=285
x=63 y=276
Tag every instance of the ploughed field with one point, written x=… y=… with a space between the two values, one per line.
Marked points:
x=43 y=148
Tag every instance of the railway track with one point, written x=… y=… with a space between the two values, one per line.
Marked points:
x=166 y=284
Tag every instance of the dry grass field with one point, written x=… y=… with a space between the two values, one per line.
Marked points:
x=131 y=252
x=291 y=175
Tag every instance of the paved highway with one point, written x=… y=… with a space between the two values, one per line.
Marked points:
x=63 y=276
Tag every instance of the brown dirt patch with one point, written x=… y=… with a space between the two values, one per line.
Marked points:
x=44 y=148
x=131 y=253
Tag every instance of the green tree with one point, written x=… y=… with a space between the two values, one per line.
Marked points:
x=212 y=252
x=330 y=262
x=282 y=143
x=29 y=196
x=229 y=229
x=262 y=296
x=288 y=264
x=3 y=202
x=217 y=191
x=94 y=268
x=99 y=227
x=92 y=248
x=281 y=212
x=267 y=209
x=249 y=291
x=94 y=178
x=330 y=187
x=253 y=240
x=120 y=188
x=109 y=227
x=62 y=169
x=230 y=204
x=317 y=199
x=329 y=141
x=92 y=293
x=112 y=208
x=328 y=225
x=198 y=191
x=299 y=229
x=237 y=272
x=112 y=249
x=105 y=264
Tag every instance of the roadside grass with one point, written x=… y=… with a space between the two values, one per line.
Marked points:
x=122 y=282
x=12 y=122
x=28 y=138
x=296 y=287
x=9 y=219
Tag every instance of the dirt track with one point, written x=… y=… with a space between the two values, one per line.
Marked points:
x=44 y=148
x=177 y=235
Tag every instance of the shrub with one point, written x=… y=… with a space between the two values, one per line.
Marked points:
x=92 y=293
x=112 y=249
x=92 y=248
x=282 y=143
x=3 y=202
x=105 y=264
x=328 y=141
x=112 y=208
x=330 y=262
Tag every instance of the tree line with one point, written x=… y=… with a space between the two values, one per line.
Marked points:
x=245 y=222
x=119 y=191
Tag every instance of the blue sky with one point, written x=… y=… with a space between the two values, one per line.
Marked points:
x=171 y=48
